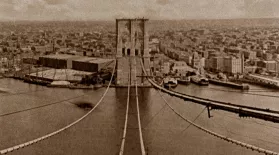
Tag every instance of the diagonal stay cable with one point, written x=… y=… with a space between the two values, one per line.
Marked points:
x=239 y=143
x=31 y=142
x=222 y=137
x=249 y=121
x=244 y=135
x=188 y=126
x=150 y=100
x=248 y=93
x=25 y=92
x=41 y=106
x=163 y=107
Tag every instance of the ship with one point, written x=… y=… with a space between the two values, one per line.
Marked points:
x=99 y=82
x=98 y=85
x=59 y=84
x=169 y=82
x=229 y=84
x=200 y=80
x=37 y=81
x=184 y=80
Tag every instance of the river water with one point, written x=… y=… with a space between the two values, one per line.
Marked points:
x=101 y=132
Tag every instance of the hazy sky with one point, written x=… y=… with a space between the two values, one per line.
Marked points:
x=154 y=9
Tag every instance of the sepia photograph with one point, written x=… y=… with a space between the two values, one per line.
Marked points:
x=139 y=77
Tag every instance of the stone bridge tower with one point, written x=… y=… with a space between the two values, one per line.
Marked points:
x=132 y=47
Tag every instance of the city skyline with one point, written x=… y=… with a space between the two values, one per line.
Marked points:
x=49 y=10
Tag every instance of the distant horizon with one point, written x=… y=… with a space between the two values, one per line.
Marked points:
x=111 y=20
x=108 y=10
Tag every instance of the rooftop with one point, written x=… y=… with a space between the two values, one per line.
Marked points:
x=61 y=56
x=61 y=74
x=93 y=60
x=85 y=59
x=101 y=61
x=132 y=19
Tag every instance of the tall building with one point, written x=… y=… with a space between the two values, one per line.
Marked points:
x=195 y=60
x=233 y=65
x=229 y=64
x=202 y=62
x=217 y=64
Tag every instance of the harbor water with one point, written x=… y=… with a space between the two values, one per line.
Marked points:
x=101 y=132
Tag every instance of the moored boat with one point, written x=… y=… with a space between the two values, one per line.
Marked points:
x=169 y=82
x=80 y=86
x=59 y=84
x=200 y=80
x=36 y=81
x=184 y=80
x=98 y=85
x=229 y=84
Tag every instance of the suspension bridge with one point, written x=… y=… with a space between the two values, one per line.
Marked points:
x=132 y=125
x=125 y=126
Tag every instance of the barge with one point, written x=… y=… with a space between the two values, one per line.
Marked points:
x=229 y=84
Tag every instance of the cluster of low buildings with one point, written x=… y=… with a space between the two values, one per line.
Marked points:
x=231 y=51
x=31 y=40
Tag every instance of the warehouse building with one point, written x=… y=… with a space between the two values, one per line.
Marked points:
x=58 y=61
x=80 y=63
x=91 y=64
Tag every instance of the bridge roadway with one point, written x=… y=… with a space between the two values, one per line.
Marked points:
x=163 y=131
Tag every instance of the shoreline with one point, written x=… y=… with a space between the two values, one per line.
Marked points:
x=71 y=86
